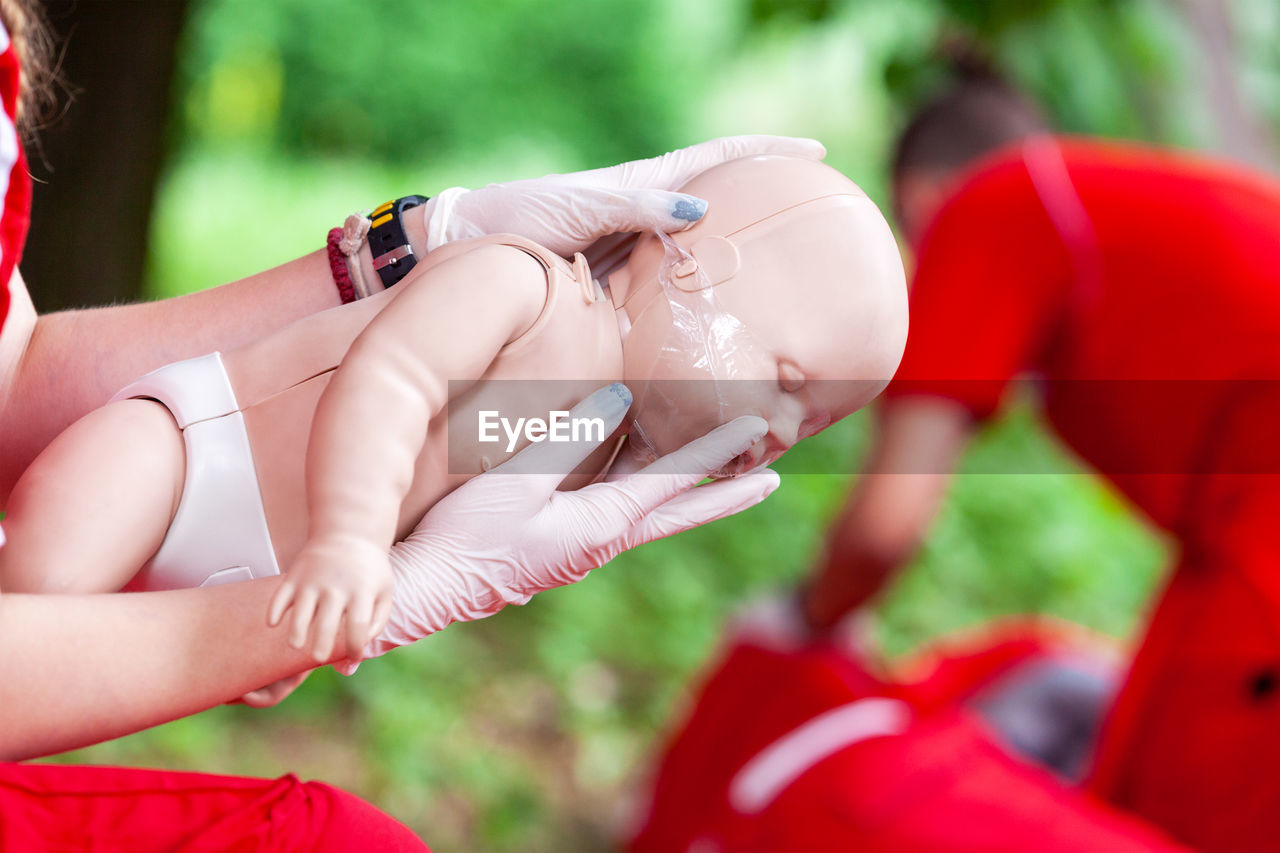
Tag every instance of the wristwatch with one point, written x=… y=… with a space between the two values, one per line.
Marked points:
x=392 y=255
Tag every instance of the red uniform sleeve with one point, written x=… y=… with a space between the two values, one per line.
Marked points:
x=15 y=182
x=991 y=277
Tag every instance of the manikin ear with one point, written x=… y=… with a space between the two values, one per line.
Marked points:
x=711 y=260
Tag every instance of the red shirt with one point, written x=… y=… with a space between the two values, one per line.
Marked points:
x=15 y=182
x=1142 y=285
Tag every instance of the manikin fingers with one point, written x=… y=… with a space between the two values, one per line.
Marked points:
x=381 y=613
x=328 y=619
x=359 y=613
x=304 y=611
x=280 y=601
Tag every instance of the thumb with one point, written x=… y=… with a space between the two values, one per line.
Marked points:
x=649 y=210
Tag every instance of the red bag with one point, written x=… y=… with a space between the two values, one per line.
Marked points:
x=805 y=749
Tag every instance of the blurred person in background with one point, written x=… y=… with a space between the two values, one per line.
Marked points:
x=1143 y=287
x=82 y=669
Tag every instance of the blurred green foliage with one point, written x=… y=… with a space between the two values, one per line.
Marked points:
x=527 y=731
x=405 y=80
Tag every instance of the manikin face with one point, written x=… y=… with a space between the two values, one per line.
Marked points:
x=786 y=301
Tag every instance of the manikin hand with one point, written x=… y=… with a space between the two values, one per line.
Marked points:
x=566 y=213
x=508 y=534
x=333 y=580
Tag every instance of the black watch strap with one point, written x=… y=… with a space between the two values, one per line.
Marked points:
x=392 y=255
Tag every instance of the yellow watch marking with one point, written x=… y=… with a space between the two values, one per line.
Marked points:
x=381 y=220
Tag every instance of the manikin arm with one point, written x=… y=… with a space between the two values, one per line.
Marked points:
x=888 y=513
x=371 y=423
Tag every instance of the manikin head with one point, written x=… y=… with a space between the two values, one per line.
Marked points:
x=786 y=300
x=946 y=136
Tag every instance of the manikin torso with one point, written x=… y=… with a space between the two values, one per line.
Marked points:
x=279 y=381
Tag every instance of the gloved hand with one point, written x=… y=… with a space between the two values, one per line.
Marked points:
x=507 y=534
x=566 y=213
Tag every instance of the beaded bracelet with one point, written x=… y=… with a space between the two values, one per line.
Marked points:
x=343 y=244
x=338 y=266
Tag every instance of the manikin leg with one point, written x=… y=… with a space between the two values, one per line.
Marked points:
x=96 y=503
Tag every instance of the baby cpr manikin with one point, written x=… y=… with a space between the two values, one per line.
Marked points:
x=246 y=395
x=787 y=301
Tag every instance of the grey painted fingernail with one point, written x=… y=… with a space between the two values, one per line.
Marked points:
x=608 y=402
x=623 y=392
x=689 y=208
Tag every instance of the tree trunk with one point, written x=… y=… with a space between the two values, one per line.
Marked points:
x=96 y=168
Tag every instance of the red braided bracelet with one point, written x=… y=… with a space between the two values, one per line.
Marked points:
x=338 y=266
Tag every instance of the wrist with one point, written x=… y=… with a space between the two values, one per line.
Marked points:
x=364 y=260
x=423 y=593
x=415 y=229
x=435 y=586
x=359 y=252
x=437 y=215
x=343 y=542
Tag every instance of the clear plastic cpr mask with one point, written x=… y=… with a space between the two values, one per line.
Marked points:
x=755 y=310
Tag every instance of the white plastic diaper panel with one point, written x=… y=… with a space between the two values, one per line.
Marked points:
x=193 y=390
x=219 y=533
x=239 y=573
x=220 y=524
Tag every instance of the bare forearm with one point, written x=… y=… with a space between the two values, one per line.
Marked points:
x=78 y=670
x=75 y=360
x=888 y=514
x=862 y=554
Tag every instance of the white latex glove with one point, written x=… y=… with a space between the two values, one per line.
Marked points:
x=566 y=213
x=507 y=534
